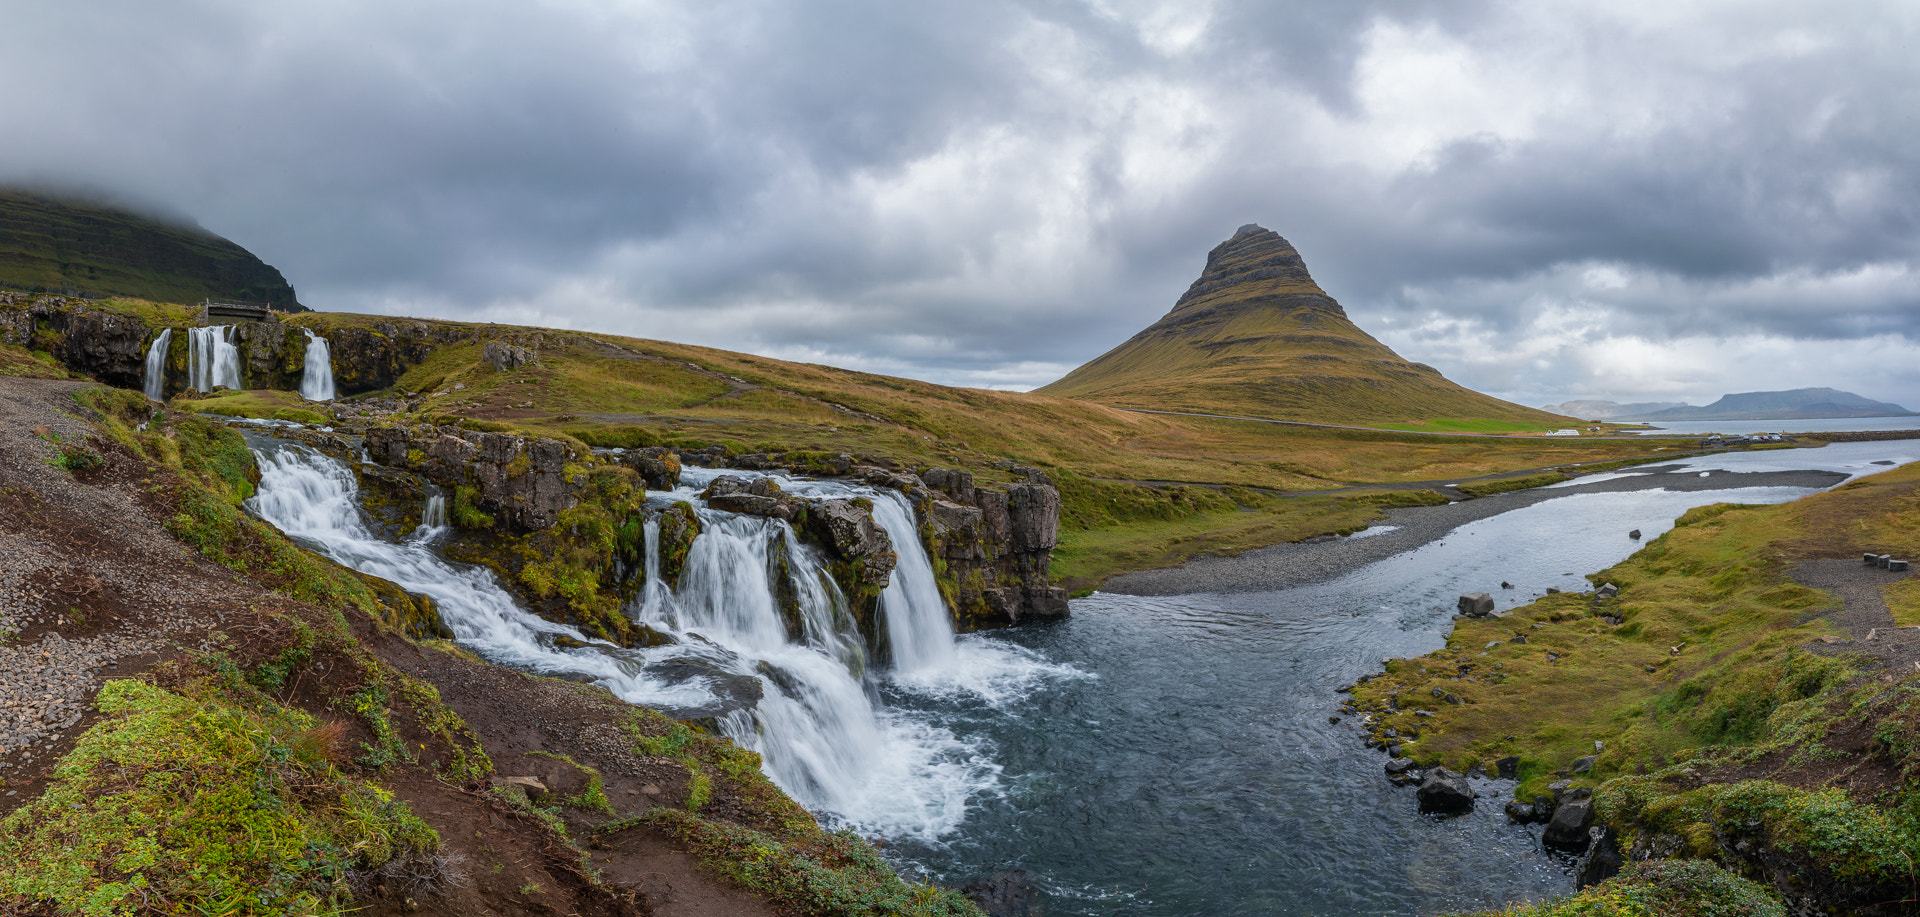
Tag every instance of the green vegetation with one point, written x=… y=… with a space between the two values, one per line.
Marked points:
x=65 y=244
x=29 y=364
x=193 y=803
x=1661 y=888
x=263 y=404
x=819 y=873
x=1721 y=732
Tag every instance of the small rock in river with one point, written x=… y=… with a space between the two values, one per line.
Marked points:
x=1445 y=791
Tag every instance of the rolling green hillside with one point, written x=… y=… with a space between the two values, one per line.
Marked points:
x=1256 y=337
x=65 y=245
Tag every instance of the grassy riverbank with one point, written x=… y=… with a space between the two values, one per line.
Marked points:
x=1723 y=735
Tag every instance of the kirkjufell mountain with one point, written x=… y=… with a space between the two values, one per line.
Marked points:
x=1256 y=337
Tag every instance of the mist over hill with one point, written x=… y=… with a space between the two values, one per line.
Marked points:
x=67 y=243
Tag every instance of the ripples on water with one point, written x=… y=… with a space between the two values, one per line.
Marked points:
x=1195 y=770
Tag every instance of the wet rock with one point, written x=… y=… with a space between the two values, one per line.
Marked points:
x=957 y=485
x=1603 y=859
x=1446 y=792
x=1567 y=830
x=1508 y=767
x=1476 y=604
x=1520 y=813
x=848 y=529
x=730 y=690
x=1014 y=893
x=657 y=465
x=679 y=526
x=755 y=497
x=1397 y=766
x=1635 y=534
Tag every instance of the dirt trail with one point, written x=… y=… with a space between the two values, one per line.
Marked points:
x=92 y=586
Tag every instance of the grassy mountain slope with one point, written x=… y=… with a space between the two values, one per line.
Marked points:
x=61 y=244
x=1255 y=336
x=1140 y=490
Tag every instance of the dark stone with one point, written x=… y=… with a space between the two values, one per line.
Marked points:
x=1508 y=767
x=1542 y=808
x=1010 y=894
x=1520 y=813
x=1603 y=859
x=1398 y=765
x=1635 y=534
x=1607 y=591
x=1476 y=604
x=1446 y=792
x=1567 y=830
x=1583 y=765
x=657 y=465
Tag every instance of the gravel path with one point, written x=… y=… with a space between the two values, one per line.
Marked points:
x=1863 y=611
x=90 y=585
x=1289 y=565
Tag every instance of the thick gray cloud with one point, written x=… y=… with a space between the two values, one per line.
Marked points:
x=1636 y=200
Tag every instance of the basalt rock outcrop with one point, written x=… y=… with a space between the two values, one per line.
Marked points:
x=995 y=546
x=564 y=532
x=106 y=345
x=523 y=481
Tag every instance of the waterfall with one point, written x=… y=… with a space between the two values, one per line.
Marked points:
x=316 y=383
x=821 y=726
x=212 y=359
x=156 y=380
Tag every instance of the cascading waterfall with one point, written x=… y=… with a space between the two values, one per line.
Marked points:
x=316 y=382
x=212 y=359
x=156 y=381
x=820 y=727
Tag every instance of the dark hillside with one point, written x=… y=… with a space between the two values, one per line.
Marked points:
x=55 y=244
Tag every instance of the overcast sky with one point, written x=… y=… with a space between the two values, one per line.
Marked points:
x=1628 y=200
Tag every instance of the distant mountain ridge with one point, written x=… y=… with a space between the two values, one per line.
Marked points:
x=57 y=243
x=1255 y=336
x=1796 y=404
x=1610 y=410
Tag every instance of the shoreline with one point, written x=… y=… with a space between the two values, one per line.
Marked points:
x=1287 y=566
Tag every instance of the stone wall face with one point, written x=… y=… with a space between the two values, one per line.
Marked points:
x=105 y=345
x=519 y=480
x=996 y=546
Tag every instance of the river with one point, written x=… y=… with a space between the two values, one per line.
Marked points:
x=1150 y=755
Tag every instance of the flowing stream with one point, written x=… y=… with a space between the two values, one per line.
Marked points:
x=316 y=379
x=156 y=378
x=1147 y=756
x=211 y=358
x=819 y=723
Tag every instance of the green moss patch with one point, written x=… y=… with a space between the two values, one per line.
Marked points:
x=188 y=803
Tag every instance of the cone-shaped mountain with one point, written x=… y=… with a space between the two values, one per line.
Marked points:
x=1256 y=337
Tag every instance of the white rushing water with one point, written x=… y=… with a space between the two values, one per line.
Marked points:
x=212 y=359
x=820 y=725
x=156 y=380
x=316 y=382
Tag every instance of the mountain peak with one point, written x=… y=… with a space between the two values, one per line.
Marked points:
x=1254 y=336
x=1254 y=255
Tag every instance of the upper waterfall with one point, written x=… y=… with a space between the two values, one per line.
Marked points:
x=316 y=383
x=156 y=379
x=212 y=360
